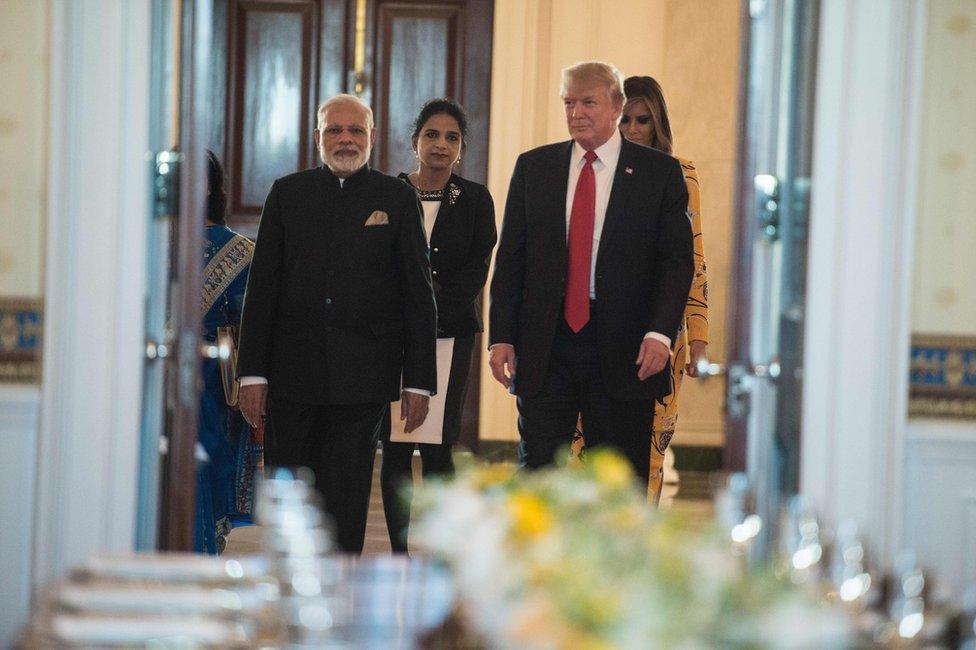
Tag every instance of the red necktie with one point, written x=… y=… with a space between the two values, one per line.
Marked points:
x=577 y=304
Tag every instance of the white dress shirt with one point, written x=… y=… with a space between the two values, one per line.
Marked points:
x=604 y=169
x=251 y=380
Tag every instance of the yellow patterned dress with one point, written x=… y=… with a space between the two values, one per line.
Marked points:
x=694 y=327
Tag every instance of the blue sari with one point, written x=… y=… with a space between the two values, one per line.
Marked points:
x=225 y=482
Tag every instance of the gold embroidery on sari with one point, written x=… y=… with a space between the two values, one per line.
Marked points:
x=224 y=268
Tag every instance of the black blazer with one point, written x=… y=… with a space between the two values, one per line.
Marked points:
x=336 y=309
x=460 y=252
x=644 y=265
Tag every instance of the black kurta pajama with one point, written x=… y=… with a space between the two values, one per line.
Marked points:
x=339 y=306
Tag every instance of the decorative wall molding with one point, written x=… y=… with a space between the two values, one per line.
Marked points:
x=968 y=540
x=939 y=466
x=19 y=406
x=937 y=431
x=943 y=376
x=20 y=340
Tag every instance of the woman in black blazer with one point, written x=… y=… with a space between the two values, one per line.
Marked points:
x=459 y=219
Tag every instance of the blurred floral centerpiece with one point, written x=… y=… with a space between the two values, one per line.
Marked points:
x=573 y=557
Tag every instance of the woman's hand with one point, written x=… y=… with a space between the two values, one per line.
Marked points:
x=696 y=352
x=253 y=400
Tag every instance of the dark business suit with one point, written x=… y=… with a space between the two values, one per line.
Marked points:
x=644 y=268
x=335 y=312
x=461 y=243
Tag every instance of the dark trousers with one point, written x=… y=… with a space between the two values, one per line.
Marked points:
x=396 y=475
x=396 y=481
x=574 y=388
x=338 y=443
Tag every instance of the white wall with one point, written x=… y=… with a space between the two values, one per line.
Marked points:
x=884 y=220
x=939 y=501
x=940 y=455
x=943 y=299
x=859 y=274
x=18 y=473
x=23 y=138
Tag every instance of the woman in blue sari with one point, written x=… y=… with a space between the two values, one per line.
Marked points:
x=225 y=481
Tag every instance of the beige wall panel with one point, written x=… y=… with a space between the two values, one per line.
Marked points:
x=23 y=112
x=626 y=33
x=632 y=37
x=701 y=76
x=520 y=66
x=700 y=420
x=700 y=80
x=944 y=301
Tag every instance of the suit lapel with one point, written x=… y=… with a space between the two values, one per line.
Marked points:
x=619 y=191
x=452 y=194
x=556 y=185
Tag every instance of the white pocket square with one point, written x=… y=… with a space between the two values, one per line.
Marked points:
x=378 y=218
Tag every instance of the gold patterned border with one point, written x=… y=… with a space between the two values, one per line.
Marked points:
x=20 y=340
x=224 y=268
x=942 y=408
x=943 y=376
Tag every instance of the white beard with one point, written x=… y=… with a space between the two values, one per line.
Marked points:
x=343 y=166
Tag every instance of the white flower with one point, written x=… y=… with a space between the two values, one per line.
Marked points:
x=551 y=558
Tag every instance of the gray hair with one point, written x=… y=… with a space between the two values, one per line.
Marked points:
x=342 y=99
x=589 y=73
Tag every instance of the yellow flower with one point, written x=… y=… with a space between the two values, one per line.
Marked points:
x=628 y=517
x=611 y=470
x=490 y=475
x=588 y=642
x=530 y=515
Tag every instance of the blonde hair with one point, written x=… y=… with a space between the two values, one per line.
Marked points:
x=588 y=73
x=341 y=99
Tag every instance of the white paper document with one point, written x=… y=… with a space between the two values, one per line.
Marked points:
x=432 y=430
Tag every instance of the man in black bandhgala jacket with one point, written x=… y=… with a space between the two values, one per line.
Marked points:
x=339 y=306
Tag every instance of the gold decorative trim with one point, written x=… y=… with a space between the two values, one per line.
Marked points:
x=942 y=408
x=20 y=340
x=957 y=341
x=224 y=268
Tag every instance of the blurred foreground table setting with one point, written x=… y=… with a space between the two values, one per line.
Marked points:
x=298 y=593
x=563 y=558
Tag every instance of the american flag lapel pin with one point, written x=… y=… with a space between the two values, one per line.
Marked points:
x=629 y=170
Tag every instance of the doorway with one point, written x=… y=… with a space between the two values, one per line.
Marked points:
x=766 y=323
x=242 y=78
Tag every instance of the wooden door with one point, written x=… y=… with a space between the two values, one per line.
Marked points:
x=765 y=370
x=272 y=62
x=422 y=50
